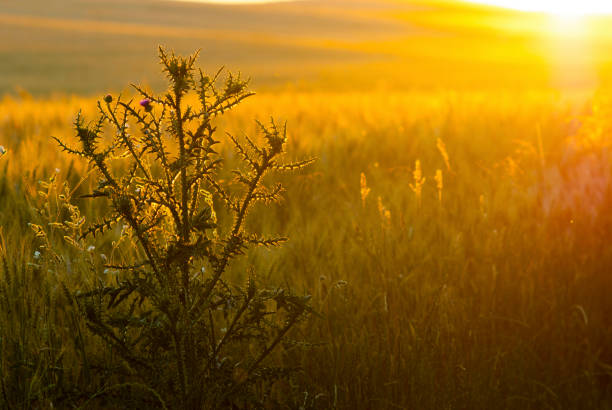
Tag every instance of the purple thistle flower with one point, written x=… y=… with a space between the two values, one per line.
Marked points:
x=146 y=104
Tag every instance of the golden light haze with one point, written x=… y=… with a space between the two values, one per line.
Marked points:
x=586 y=7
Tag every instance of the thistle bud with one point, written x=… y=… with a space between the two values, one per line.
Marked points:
x=123 y=205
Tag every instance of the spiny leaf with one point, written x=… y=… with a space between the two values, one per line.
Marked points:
x=100 y=227
x=267 y=242
x=294 y=165
x=224 y=195
x=254 y=165
x=66 y=148
x=268 y=196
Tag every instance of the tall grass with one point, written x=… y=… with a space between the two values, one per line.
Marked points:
x=493 y=295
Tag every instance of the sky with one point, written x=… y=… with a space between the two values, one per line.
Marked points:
x=564 y=7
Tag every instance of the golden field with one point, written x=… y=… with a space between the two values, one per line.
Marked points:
x=495 y=295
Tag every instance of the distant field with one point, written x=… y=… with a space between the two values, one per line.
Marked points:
x=92 y=46
x=88 y=47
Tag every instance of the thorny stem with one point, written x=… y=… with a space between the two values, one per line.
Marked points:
x=133 y=223
x=127 y=141
x=184 y=189
x=229 y=331
x=263 y=355
x=230 y=247
x=184 y=240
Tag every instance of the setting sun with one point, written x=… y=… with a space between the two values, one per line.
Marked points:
x=574 y=8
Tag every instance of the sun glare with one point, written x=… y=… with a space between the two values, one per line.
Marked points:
x=559 y=7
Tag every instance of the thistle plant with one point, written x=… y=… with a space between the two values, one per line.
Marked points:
x=182 y=335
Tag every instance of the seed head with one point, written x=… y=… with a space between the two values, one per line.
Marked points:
x=364 y=189
x=419 y=180
x=439 y=183
x=108 y=98
x=442 y=148
x=384 y=213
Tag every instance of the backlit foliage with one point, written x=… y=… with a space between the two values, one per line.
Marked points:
x=182 y=335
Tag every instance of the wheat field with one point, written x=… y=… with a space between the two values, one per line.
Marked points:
x=487 y=289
